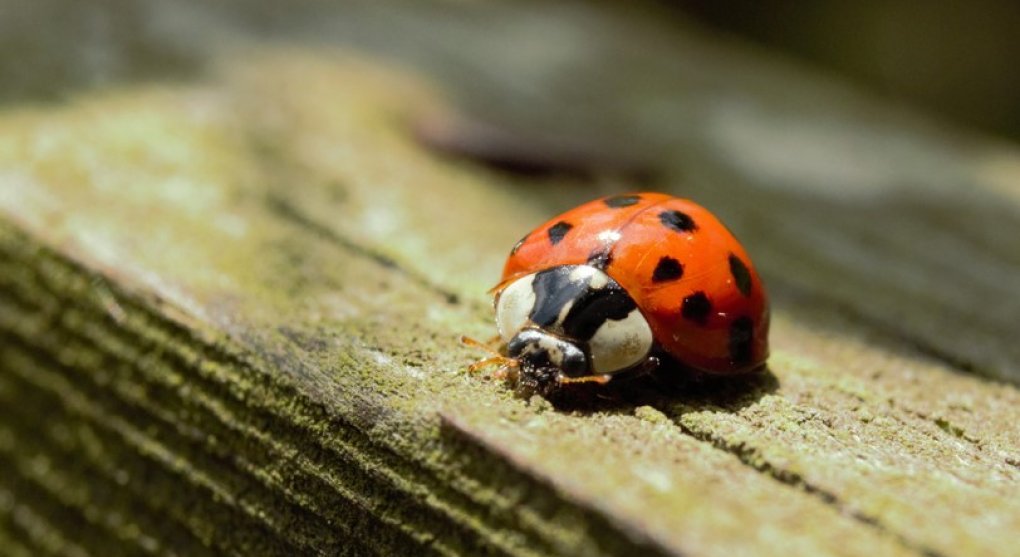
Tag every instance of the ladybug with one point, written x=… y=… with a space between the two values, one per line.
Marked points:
x=617 y=284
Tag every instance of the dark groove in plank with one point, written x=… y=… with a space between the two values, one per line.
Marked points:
x=464 y=441
x=139 y=415
x=282 y=208
x=410 y=501
x=13 y=542
x=942 y=300
x=128 y=306
x=65 y=526
x=23 y=521
x=146 y=413
x=102 y=489
x=746 y=455
x=879 y=325
x=140 y=460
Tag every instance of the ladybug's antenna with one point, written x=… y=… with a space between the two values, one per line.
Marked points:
x=495 y=359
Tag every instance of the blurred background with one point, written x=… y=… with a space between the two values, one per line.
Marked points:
x=954 y=58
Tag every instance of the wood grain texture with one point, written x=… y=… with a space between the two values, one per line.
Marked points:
x=229 y=306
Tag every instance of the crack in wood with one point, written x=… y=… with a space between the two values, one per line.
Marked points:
x=746 y=455
x=922 y=347
x=455 y=507
x=281 y=207
x=496 y=458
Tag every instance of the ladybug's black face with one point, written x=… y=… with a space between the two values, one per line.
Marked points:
x=543 y=361
x=537 y=381
x=538 y=350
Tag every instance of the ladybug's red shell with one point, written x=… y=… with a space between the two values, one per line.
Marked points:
x=690 y=278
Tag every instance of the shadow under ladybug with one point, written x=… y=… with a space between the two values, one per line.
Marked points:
x=660 y=381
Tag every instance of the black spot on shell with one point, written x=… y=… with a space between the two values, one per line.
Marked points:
x=601 y=258
x=668 y=269
x=681 y=222
x=741 y=337
x=517 y=246
x=696 y=307
x=740 y=275
x=558 y=231
x=618 y=201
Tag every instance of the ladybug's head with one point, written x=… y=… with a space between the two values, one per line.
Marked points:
x=570 y=321
x=543 y=360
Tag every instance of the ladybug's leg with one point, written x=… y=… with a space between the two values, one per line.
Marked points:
x=486 y=363
x=506 y=364
x=509 y=371
x=599 y=379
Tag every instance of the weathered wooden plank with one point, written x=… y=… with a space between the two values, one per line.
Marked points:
x=893 y=191
x=248 y=294
x=828 y=384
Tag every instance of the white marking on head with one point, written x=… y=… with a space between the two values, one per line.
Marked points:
x=618 y=345
x=513 y=306
x=552 y=348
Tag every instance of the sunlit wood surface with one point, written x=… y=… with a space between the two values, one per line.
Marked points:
x=233 y=279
